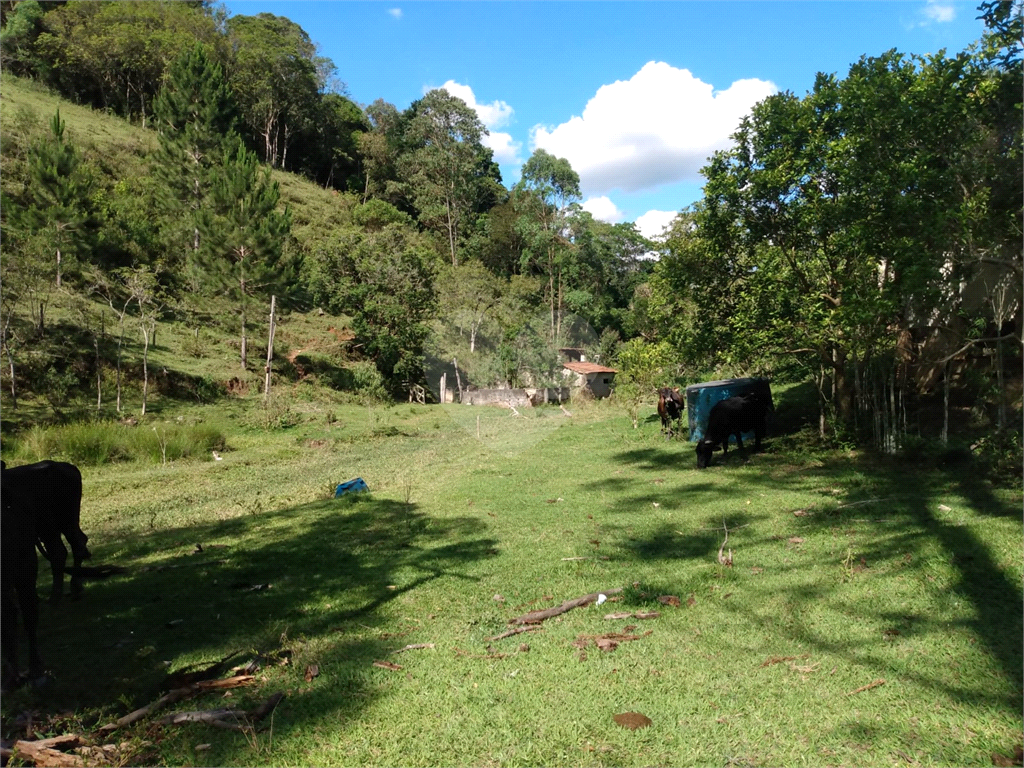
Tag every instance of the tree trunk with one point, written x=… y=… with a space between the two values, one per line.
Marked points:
x=270 y=350
x=145 y=365
x=945 y=404
x=10 y=360
x=451 y=230
x=58 y=274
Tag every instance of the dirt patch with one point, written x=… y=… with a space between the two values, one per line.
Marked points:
x=235 y=386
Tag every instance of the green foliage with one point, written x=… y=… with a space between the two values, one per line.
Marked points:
x=57 y=214
x=17 y=39
x=643 y=366
x=243 y=234
x=384 y=280
x=104 y=442
x=447 y=169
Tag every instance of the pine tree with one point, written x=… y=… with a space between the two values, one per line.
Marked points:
x=196 y=118
x=243 y=234
x=58 y=206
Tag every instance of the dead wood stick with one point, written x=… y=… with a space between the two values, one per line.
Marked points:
x=517 y=631
x=31 y=751
x=564 y=411
x=413 y=647
x=181 y=565
x=535 y=617
x=722 y=559
x=176 y=695
x=233 y=719
x=564 y=559
x=513 y=409
x=869 y=686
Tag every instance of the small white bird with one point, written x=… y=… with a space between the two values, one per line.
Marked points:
x=216 y=456
x=601 y=599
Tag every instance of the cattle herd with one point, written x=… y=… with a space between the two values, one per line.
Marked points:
x=42 y=503
x=40 y=507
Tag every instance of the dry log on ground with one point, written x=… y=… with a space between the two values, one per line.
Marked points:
x=535 y=617
x=231 y=719
x=39 y=754
x=176 y=695
x=517 y=631
x=413 y=647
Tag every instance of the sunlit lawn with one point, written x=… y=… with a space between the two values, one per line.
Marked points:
x=847 y=571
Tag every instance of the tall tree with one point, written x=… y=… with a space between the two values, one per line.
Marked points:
x=448 y=169
x=277 y=78
x=195 y=116
x=243 y=234
x=59 y=207
x=548 y=193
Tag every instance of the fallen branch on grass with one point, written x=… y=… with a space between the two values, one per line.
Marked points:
x=413 y=647
x=535 y=617
x=564 y=411
x=181 y=565
x=516 y=631
x=176 y=695
x=779 y=659
x=725 y=559
x=608 y=642
x=231 y=719
x=867 y=687
x=635 y=615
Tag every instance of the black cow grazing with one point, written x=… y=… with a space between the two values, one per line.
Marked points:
x=49 y=493
x=670 y=408
x=733 y=417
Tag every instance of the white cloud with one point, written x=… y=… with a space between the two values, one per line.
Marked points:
x=603 y=209
x=493 y=115
x=395 y=12
x=504 y=149
x=656 y=128
x=652 y=224
x=937 y=11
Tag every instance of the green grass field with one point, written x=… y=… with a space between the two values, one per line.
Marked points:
x=846 y=571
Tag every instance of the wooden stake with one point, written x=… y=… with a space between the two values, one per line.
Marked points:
x=270 y=351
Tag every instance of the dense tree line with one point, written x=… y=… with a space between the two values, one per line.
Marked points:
x=842 y=238
x=851 y=230
x=423 y=218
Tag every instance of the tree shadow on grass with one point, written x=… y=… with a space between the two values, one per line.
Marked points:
x=319 y=574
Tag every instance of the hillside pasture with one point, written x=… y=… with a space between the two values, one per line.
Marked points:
x=871 y=616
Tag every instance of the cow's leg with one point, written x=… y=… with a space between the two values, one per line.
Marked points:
x=9 y=634
x=739 y=441
x=57 y=554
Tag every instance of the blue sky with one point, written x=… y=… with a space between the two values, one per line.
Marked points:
x=634 y=94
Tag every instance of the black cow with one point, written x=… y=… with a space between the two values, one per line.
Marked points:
x=50 y=493
x=18 y=570
x=670 y=408
x=733 y=417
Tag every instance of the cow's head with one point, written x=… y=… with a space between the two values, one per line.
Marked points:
x=705 y=448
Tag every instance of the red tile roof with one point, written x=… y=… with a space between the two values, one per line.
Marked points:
x=588 y=368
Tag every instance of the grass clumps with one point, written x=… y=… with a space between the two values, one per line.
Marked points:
x=107 y=442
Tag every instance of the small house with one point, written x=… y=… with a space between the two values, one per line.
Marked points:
x=596 y=378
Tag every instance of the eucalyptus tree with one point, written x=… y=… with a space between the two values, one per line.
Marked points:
x=446 y=168
x=546 y=195
x=277 y=78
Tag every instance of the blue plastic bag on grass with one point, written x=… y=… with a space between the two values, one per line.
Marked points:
x=352 y=486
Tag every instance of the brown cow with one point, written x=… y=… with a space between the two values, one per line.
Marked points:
x=670 y=408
